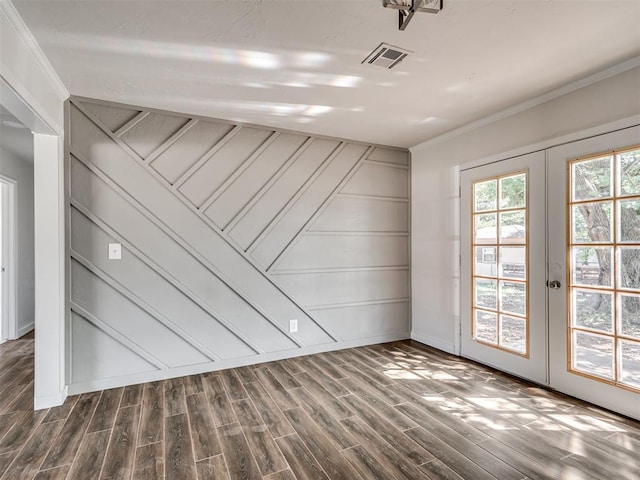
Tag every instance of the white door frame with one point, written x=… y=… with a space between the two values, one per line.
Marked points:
x=8 y=255
x=534 y=366
x=49 y=247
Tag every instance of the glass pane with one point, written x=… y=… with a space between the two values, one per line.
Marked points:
x=629 y=267
x=486 y=263
x=591 y=223
x=486 y=293
x=630 y=363
x=513 y=297
x=486 y=195
x=629 y=172
x=628 y=221
x=593 y=354
x=629 y=311
x=513 y=262
x=513 y=333
x=486 y=326
x=513 y=191
x=512 y=227
x=592 y=266
x=485 y=227
x=593 y=310
x=592 y=179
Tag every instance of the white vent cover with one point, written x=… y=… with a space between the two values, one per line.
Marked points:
x=386 y=56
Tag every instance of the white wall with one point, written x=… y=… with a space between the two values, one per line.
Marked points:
x=21 y=172
x=435 y=186
x=31 y=90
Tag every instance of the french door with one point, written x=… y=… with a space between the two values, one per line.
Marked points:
x=550 y=276
x=503 y=290
x=594 y=251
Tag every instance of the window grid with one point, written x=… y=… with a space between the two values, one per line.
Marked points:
x=615 y=290
x=499 y=277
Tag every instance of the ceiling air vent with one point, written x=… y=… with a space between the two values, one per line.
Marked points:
x=386 y=56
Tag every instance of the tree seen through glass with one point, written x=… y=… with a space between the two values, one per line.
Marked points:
x=603 y=189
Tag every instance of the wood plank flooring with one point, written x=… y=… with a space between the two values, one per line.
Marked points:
x=392 y=411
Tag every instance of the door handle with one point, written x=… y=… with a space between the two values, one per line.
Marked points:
x=554 y=285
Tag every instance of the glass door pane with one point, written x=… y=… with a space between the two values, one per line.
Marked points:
x=604 y=267
x=499 y=274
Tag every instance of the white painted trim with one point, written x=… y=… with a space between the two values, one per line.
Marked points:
x=539 y=100
x=48 y=401
x=114 y=382
x=434 y=342
x=25 y=102
x=331 y=306
x=25 y=329
x=49 y=249
x=30 y=116
x=11 y=237
x=9 y=11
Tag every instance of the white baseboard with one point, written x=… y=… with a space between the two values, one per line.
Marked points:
x=25 y=329
x=48 y=401
x=114 y=382
x=434 y=342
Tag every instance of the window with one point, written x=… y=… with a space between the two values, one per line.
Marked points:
x=604 y=273
x=499 y=275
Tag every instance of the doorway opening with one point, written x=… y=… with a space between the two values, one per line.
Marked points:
x=7 y=260
x=17 y=276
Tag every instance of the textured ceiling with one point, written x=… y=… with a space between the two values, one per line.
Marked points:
x=296 y=64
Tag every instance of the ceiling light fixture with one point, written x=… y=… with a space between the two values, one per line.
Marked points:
x=407 y=8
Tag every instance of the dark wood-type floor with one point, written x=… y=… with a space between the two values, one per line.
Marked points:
x=391 y=411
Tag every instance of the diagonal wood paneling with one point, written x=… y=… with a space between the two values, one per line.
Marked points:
x=203 y=209
x=193 y=145
x=206 y=180
x=294 y=218
x=230 y=202
x=148 y=134
x=251 y=223
x=172 y=256
x=141 y=277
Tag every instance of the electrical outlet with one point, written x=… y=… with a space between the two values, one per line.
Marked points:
x=115 y=251
x=293 y=326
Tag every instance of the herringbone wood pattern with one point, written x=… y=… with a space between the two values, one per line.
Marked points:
x=390 y=411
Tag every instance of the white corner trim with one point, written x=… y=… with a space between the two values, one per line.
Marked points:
x=48 y=401
x=9 y=11
x=434 y=342
x=25 y=329
x=534 y=102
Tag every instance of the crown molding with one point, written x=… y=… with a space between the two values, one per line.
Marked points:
x=9 y=11
x=528 y=104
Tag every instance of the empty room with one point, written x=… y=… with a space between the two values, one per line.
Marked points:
x=319 y=239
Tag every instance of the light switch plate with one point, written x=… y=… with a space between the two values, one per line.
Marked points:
x=115 y=251
x=293 y=326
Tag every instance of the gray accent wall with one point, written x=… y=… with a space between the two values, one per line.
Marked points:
x=227 y=233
